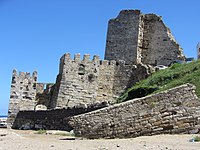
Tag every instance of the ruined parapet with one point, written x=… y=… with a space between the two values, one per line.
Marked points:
x=22 y=94
x=170 y=112
x=43 y=95
x=83 y=82
x=141 y=38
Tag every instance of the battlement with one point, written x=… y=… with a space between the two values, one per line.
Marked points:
x=24 y=74
x=66 y=59
x=77 y=58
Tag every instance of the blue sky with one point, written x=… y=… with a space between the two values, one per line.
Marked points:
x=35 y=34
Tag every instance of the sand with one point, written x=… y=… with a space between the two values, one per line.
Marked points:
x=28 y=140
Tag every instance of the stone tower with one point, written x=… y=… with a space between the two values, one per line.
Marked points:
x=122 y=37
x=22 y=94
x=141 y=38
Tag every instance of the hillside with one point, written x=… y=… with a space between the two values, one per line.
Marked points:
x=165 y=79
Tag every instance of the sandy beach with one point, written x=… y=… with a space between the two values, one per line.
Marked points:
x=29 y=140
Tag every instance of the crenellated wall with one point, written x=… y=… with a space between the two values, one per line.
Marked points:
x=85 y=82
x=22 y=93
x=77 y=83
x=173 y=111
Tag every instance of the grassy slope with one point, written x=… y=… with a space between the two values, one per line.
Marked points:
x=165 y=79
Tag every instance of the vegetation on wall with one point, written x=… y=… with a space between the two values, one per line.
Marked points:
x=173 y=76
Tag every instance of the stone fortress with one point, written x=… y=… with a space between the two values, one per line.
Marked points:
x=135 y=44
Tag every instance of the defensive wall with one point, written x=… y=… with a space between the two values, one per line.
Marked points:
x=80 y=82
x=173 y=111
x=83 y=82
x=56 y=119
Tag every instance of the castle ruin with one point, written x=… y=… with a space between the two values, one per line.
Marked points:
x=141 y=38
x=135 y=44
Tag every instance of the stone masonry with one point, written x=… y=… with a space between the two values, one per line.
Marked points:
x=85 y=82
x=27 y=94
x=55 y=119
x=173 y=111
x=23 y=93
x=141 y=38
x=135 y=44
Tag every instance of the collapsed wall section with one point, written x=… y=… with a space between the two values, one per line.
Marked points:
x=43 y=96
x=173 y=111
x=22 y=94
x=158 y=44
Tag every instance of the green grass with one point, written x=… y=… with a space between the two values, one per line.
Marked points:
x=173 y=76
x=65 y=134
x=197 y=139
x=41 y=132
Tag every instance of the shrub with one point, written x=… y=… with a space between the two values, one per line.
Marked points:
x=197 y=139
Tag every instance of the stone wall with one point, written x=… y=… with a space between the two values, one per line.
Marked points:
x=85 y=82
x=173 y=111
x=78 y=83
x=22 y=94
x=141 y=38
x=50 y=119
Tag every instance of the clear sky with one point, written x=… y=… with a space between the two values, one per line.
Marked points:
x=35 y=34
